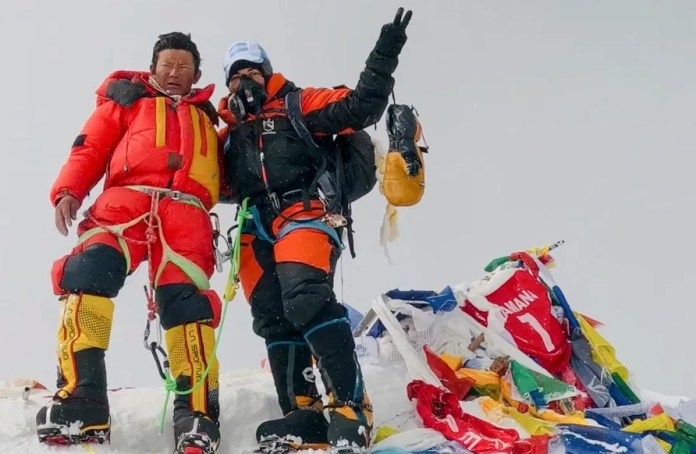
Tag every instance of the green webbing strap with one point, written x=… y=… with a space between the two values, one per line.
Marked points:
x=190 y=269
x=233 y=277
x=116 y=230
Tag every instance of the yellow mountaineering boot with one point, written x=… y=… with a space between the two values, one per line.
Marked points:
x=190 y=347
x=79 y=411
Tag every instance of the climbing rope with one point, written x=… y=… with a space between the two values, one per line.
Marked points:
x=230 y=291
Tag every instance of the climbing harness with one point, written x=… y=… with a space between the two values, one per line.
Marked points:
x=153 y=233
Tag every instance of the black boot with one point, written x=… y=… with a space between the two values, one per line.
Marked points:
x=350 y=411
x=195 y=433
x=303 y=425
x=56 y=422
x=350 y=425
x=79 y=412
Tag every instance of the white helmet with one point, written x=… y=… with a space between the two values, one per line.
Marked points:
x=243 y=54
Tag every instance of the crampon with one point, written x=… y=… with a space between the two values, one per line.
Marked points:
x=192 y=443
x=278 y=445
x=347 y=450
x=63 y=436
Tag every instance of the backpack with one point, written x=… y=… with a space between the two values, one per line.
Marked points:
x=345 y=175
x=403 y=182
x=350 y=172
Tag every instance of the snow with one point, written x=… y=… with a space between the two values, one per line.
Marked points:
x=247 y=398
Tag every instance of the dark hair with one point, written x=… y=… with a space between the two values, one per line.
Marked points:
x=176 y=40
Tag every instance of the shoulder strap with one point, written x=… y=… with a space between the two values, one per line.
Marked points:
x=294 y=109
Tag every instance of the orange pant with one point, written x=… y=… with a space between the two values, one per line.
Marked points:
x=289 y=282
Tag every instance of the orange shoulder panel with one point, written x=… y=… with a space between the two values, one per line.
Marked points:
x=313 y=99
x=317 y=98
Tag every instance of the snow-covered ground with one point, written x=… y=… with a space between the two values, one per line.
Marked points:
x=246 y=397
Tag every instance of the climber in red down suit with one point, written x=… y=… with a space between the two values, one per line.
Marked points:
x=153 y=136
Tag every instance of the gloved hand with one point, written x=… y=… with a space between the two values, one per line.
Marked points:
x=393 y=35
x=236 y=106
x=248 y=99
x=252 y=95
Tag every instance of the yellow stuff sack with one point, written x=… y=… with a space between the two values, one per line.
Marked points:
x=403 y=182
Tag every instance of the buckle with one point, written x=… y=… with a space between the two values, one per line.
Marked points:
x=275 y=200
x=351 y=404
x=174 y=195
x=335 y=220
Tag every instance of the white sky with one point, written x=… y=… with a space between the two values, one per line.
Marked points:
x=546 y=121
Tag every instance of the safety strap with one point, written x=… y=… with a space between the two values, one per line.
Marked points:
x=257 y=229
x=230 y=292
x=293 y=105
x=316 y=225
x=116 y=230
x=243 y=214
x=192 y=271
x=169 y=193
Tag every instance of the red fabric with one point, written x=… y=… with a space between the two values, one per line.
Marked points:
x=593 y=322
x=529 y=321
x=121 y=142
x=215 y=305
x=186 y=228
x=538 y=444
x=57 y=274
x=440 y=410
x=459 y=386
x=580 y=402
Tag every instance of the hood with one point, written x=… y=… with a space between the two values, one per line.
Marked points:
x=196 y=96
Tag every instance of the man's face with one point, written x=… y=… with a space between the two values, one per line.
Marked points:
x=175 y=71
x=253 y=73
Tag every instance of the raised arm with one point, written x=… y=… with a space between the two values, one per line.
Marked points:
x=330 y=111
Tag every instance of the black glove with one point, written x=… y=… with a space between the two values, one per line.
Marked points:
x=393 y=36
x=248 y=99
x=236 y=106
x=252 y=94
